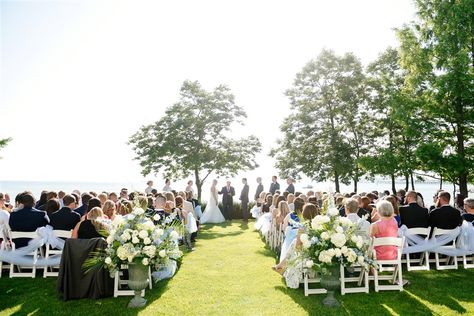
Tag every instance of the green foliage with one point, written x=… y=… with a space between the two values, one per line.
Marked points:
x=192 y=137
x=4 y=142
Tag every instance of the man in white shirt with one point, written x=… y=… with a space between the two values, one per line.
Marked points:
x=351 y=208
x=149 y=188
x=167 y=187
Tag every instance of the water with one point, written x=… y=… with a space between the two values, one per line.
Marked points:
x=427 y=189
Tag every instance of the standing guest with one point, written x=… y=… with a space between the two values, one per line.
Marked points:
x=85 y=198
x=190 y=186
x=244 y=200
x=445 y=216
x=227 y=193
x=26 y=219
x=291 y=186
x=149 y=187
x=92 y=226
x=274 y=186
x=259 y=188
x=109 y=209
x=401 y=196
x=53 y=206
x=412 y=214
x=386 y=226
x=167 y=187
x=65 y=218
x=469 y=207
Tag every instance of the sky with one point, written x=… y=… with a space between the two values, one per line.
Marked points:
x=78 y=78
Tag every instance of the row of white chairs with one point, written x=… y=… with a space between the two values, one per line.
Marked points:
x=275 y=235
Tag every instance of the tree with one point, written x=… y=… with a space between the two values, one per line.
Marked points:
x=438 y=55
x=318 y=136
x=191 y=138
x=4 y=142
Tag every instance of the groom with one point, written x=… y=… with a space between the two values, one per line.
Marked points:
x=244 y=200
x=227 y=193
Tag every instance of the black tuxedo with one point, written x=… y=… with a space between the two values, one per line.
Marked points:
x=227 y=201
x=26 y=219
x=259 y=190
x=291 y=188
x=64 y=219
x=445 y=217
x=413 y=215
x=273 y=187
x=244 y=202
x=81 y=210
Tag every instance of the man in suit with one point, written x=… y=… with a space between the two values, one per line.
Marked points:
x=26 y=219
x=227 y=193
x=65 y=218
x=291 y=187
x=445 y=216
x=259 y=188
x=244 y=200
x=413 y=215
x=274 y=186
x=85 y=198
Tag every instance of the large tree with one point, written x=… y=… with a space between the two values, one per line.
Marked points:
x=438 y=55
x=319 y=139
x=192 y=137
x=4 y=142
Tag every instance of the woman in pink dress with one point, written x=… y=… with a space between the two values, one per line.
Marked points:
x=386 y=226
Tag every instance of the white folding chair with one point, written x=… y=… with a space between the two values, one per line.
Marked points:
x=313 y=280
x=423 y=262
x=50 y=270
x=120 y=283
x=363 y=276
x=394 y=266
x=444 y=263
x=34 y=255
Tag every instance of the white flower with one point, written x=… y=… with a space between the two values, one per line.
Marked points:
x=352 y=256
x=145 y=261
x=138 y=211
x=174 y=235
x=306 y=244
x=318 y=221
x=339 y=229
x=122 y=253
x=110 y=239
x=125 y=237
x=159 y=232
x=324 y=257
x=338 y=240
x=108 y=260
x=149 y=251
x=344 y=250
x=360 y=260
x=130 y=216
x=337 y=252
x=333 y=211
x=325 y=235
x=135 y=240
x=309 y=264
x=354 y=238
x=304 y=237
x=147 y=241
x=345 y=222
x=156 y=217
x=143 y=234
x=162 y=253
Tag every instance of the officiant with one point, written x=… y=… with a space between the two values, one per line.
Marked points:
x=227 y=200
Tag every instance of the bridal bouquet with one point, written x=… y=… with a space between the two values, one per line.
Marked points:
x=331 y=240
x=135 y=238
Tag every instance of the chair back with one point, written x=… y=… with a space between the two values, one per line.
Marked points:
x=390 y=241
x=62 y=233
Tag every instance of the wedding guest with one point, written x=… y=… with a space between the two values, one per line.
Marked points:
x=401 y=196
x=274 y=202
x=4 y=218
x=285 y=194
x=469 y=207
x=460 y=202
x=170 y=197
x=445 y=216
x=291 y=186
x=267 y=205
x=274 y=186
x=94 y=202
x=85 y=198
x=283 y=211
x=259 y=188
x=113 y=197
x=26 y=219
x=126 y=207
x=42 y=200
x=361 y=212
x=291 y=199
x=396 y=211
x=65 y=218
x=102 y=198
x=299 y=206
x=53 y=205
x=61 y=195
x=351 y=207
x=187 y=205
x=167 y=187
x=92 y=226
x=124 y=194
x=412 y=214
x=190 y=186
x=386 y=226
x=420 y=200
x=149 y=187
x=109 y=209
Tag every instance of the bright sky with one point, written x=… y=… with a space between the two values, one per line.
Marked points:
x=79 y=77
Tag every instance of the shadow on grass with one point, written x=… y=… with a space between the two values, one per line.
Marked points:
x=212 y=235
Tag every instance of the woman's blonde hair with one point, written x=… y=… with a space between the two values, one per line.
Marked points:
x=170 y=197
x=109 y=208
x=95 y=215
x=283 y=211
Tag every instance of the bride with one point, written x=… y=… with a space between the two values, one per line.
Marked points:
x=212 y=213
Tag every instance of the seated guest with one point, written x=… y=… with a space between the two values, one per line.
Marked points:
x=364 y=207
x=126 y=207
x=445 y=216
x=85 y=198
x=291 y=201
x=26 y=219
x=4 y=218
x=469 y=208
x=299 y=204
x=351 y=207
x=459 y=203
x=386 y=226
x=412 y=214
x=102 y=198
x=65 y=218
x=53 y=205
x=396 y=209
x=109 y=209
x=92 y=226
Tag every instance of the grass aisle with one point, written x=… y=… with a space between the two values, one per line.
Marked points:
x=229 y=274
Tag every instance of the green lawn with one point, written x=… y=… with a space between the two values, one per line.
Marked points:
x=229 y=274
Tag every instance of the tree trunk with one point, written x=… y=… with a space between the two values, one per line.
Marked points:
x=412 y=181
x=198 y=184
x=394 y=190
x=336 y=180
x=441 y=182
x=407 y=182
x=356 y=181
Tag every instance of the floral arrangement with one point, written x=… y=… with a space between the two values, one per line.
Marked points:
x=331 y=240
x=135 y=238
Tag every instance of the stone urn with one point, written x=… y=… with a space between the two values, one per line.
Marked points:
x=331 y=282
x=137 y=281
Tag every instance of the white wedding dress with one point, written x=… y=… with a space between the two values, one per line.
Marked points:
x=212 y=213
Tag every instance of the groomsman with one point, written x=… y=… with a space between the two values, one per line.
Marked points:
x=274 y=186
x=227 y=193
x=244 y=200
x=259 y=188
x=291 y=187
